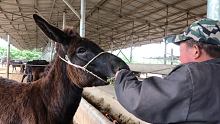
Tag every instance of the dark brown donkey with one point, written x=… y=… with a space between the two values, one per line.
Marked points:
x=55 y=98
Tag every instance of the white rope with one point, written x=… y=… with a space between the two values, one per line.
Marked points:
x=67 y=60
x=93 y=59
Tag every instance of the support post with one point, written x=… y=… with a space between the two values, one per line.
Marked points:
x=52 y=49
x=8 y=56
x=82 y=19
x=165 y=53
x=171 y=56
x=64 y=19
x=131 y=55
x=165 y=44
x=213 y=9
x=111 y=39
x=132 y=42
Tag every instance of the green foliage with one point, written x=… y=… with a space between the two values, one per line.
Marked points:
x=3 y=52
x=17 y=54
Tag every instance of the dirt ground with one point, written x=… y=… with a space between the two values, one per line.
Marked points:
x=15 y=75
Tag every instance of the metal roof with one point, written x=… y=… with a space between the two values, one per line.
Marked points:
x=112 y=24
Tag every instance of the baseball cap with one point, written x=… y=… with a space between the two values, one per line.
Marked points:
x=205 y=30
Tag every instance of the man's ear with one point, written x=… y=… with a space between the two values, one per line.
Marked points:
x=52 y=32
x=196 y=51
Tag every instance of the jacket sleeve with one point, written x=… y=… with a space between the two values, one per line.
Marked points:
x=156 y=100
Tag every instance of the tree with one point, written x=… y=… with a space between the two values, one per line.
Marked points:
x=16 y=54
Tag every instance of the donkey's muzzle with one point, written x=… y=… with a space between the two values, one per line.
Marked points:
x=122 y=65
x=117 y=64
x=107 y=64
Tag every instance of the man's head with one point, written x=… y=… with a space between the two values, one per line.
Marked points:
x=200 y=42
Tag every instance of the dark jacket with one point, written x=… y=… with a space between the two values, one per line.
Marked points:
x=190 y=94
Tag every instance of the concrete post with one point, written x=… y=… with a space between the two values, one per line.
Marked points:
x=8 y=56
x=213 y=9
x=52 y=49
x=171 y=56
x=82 y=19
x=165 y=34
x=64 y=20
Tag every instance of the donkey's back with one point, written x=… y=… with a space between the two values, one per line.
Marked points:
x=16 y=103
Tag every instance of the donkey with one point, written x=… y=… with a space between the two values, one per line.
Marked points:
x=16 y=63
x=34 y=69
x=4 y=61
x=54 y=98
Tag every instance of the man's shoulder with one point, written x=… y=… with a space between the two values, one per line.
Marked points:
x=179 y=67
x=184 y=68
x=195 y=64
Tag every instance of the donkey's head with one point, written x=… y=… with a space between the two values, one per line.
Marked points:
x=75 y=50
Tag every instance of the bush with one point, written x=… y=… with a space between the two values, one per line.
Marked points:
x=16 y=54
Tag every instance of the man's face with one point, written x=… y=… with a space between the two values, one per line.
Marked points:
x=186 y=53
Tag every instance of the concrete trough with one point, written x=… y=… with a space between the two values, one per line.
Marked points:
x=87 y=114
x=104 y=99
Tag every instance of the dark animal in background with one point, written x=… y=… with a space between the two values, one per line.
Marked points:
x=13 y=63
x=37 y=71
x=34 y=70
x=4 y=61
x=16 y=63
x=54 y=98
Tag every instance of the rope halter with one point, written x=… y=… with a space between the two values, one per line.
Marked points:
x=67 y=60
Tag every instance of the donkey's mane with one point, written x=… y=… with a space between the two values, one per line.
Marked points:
x=70 y=32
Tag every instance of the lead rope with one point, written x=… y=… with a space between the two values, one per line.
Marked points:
x=67 y=60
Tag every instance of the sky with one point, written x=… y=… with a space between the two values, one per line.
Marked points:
x=152 y=50
x=146 y=54
x=4 y=43
x=155 y=50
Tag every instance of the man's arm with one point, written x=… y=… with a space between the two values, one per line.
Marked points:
x=154 y=99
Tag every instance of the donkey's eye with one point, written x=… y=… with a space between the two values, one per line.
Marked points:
x=81 y=50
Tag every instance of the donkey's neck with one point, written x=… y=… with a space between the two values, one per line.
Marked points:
x=59 y=94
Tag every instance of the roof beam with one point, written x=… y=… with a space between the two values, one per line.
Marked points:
x=8 y=19
x=189 y=9
x=177 y=21
x=160 y=9
x=20 y=10
x=23 y=16
x=182 y=10
x=159 y=26
x=97 y=6
x=93 y=10
x=71 y=8
x=51 y=11
x=2 y=3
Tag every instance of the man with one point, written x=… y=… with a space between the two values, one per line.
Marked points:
x=190 y=94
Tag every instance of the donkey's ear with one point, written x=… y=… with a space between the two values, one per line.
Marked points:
x=52 y=32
